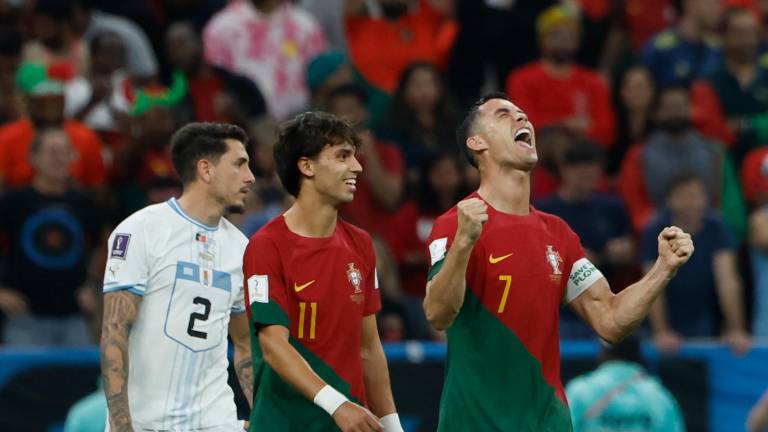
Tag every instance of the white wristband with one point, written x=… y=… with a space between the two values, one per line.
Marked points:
x=329 y=399
x=391 y=423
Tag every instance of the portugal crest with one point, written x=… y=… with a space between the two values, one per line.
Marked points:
x=354 y=276
x=554 y=260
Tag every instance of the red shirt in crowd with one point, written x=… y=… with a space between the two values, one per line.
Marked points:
x=550 y=100
x=381 y=49
x=16 y=137
x=407 y=239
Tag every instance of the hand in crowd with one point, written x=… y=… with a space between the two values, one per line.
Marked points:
x=738 y=340
x=667 y=341
x=12 y=302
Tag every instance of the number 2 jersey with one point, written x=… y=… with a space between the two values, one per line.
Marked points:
x=320 y=289
x=190 y=279
x=503 y=360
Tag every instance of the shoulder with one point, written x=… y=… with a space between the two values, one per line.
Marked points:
x=552 y=222
x=301 y=17
x=15 y=129
x=153 y=215
x=525 y=72
x=446 y=221
x=233 y=232
x=222 y=19
x=359 y=236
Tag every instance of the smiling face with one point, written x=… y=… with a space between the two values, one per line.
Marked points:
x=504 y=136
x=332 y=173
x=231 y=178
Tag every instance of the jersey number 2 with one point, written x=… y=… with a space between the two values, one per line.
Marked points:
x=199 y=316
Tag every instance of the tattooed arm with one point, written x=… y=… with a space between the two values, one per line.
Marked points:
x=239 y=332
x=120 y=311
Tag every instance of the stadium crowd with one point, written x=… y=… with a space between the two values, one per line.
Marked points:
x=648 y=113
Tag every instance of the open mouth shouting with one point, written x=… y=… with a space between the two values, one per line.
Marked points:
x=524 y=137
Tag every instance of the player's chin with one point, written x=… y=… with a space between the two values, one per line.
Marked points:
x=236 y=208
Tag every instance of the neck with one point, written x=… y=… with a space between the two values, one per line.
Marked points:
x=506 y=190
x=636 y=121
x=48 y=186
x=690 y=226
x=426 y=119
x=557 y=69
x=690 y=30
x=200 y=206
x=573 y=195
x=311 y=216
x=743 y=69
x=200 y=70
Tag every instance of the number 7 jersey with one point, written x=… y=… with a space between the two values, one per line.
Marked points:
x=190 y=279
x=503 y=359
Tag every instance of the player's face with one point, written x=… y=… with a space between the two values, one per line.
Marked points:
x=335 y=172
x=232 y=177
x=508 y=134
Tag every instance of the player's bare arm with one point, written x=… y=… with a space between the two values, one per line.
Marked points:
x=239 y=332
x=445 y=292
x=614 y=316
x=293 y=369
x=120 y=311
x=378 y=390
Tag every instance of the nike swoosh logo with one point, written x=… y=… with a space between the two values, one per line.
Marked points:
x=493 y=260
x=298 y=288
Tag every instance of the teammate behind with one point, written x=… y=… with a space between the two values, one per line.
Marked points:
x=499 y=272
x=312 y=295
x=173 y=278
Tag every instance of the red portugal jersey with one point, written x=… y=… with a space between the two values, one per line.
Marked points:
x=320 y=289
x=503 y=361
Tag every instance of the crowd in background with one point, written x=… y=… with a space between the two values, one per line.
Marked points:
x=648 y=113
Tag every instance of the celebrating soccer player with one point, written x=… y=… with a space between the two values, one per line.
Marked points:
x=312 y=294
x=173 y=279
x=499 y=272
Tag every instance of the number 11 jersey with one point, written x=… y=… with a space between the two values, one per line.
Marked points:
x=190 y=278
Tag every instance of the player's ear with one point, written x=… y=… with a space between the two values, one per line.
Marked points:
x=476 y=143
x=306 y=167
x=204 y=169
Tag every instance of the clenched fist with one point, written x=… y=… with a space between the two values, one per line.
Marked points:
x=472 y=213
x=675 y=247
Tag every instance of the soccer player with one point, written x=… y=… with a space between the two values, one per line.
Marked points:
x=173 y=286
x=499 y=272
x=312 y=295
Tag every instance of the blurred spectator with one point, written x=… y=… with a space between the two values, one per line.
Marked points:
x=140 y=60
x=10 y=59
x=441 y=186
x=196 y=12
x=620 y=395
x=100 y=98
x=326 y=72
x=422 y=116
x=482 y=56
x=687 y=50
x=269 y=41
x=758 y=240
x=600 y=221
x=740 y=83
x=268 y=199
x=673 y=146
x=89 y=414
x=380 y=185
x=45 y=108
x=557 y=91
x=50 y=230
x=635 y=100
x=214 y=94
x=688 y=307
x=382 y=46
x=330 y=15
x=758 y=415
x=142 y=172
x=56 y=43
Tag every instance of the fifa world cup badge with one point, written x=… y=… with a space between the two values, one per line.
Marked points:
x=355 y=278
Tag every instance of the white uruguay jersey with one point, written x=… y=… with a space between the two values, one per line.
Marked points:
x=190 y=277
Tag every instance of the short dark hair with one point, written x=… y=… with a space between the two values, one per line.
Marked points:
x=196 y=141
x=582 y=152
x=58 y=10
x=681 y=179
x=306 y=135
x=466 y=128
